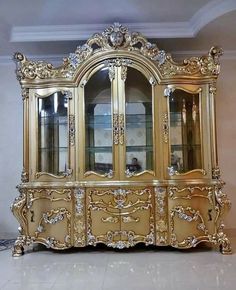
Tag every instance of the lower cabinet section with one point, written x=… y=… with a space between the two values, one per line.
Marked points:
x=121 y=217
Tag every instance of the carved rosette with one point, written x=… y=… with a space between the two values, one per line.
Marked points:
x=161 y=216
x=118 y=37
x=79 y=221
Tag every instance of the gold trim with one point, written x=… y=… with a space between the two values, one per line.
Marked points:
x=165 y=127
x=108 y=174
x=130 y=174
x=130 y=219
x=116 y=129
x=173 y=172
x=71 y=130
x=110 y=219
x=79 y=219
x=65 y=174
x=121 y=129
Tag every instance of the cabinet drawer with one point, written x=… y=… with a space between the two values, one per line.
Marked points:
x=120 y=216
x=137 y=211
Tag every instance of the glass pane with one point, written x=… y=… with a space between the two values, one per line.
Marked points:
x=98 y=124
x=139 y=139
x=185 y=131
x=52 y=134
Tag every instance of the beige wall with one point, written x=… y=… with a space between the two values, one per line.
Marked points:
x=11 y=140
x=226 y=130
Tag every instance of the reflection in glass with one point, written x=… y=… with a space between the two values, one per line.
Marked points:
x=139 y=137
x=98 y=124
x=52 y=134
x=185 y=131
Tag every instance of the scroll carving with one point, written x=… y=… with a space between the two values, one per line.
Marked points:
x=111 y=39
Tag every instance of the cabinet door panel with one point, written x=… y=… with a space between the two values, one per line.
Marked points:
x=98 y=138
x=192 y=215
x=188 y=149
x=52 y=135
x=49 y=216
x=138 y=124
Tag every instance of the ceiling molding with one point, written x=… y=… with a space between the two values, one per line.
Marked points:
x=188 y=29
x=83 y=32
x=57 y=59
x=209 y=12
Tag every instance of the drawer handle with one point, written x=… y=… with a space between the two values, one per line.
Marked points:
x=110 y=219
x=130 y=219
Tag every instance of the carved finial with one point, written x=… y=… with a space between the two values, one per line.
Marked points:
x=216 y=52
x=18 y=57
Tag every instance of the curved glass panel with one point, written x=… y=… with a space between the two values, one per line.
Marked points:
x=138 y=119
x=53 y=134
x=185 y=138
x=98 y=123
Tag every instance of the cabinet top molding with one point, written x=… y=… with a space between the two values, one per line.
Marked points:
x=117 y=41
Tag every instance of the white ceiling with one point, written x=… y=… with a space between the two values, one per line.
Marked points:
x=43 y=27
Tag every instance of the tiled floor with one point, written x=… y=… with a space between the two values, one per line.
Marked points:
x=105 y=269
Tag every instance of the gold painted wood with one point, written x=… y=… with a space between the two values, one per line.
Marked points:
x=120 y=207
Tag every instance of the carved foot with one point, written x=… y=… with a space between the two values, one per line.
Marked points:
x=20 y=243
x=18 y=248
x=224 y=243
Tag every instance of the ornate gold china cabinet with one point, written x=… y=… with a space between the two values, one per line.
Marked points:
x=120 y=148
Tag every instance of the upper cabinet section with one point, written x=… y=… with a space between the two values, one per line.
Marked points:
x=117 y=41
x=119 y=109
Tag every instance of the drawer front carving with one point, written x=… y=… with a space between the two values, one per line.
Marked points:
x=120 y=217
x=192 y=215
x=103 y=218
x=137 y=220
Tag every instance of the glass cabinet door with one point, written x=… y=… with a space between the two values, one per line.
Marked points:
x=138 y=124
x=52 y=132
x=185 y=132
x=98 y=125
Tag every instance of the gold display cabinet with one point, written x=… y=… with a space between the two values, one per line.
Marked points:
x=120 y=148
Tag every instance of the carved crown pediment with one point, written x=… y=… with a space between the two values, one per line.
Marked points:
x=118 y=38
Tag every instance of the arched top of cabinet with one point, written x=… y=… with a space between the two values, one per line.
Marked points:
x=117 y=42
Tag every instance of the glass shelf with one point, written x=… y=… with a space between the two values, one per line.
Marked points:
x=99 y=149
x=139 y=148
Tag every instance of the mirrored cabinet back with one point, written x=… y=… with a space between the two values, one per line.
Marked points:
x=120 y=148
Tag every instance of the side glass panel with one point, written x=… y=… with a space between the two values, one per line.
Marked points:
x=185 y=135
x=53 y=134
x=98 y=123
x=138 y=119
